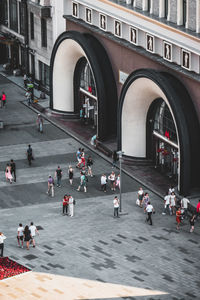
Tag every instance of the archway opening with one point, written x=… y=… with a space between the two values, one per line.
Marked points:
x=75 y=53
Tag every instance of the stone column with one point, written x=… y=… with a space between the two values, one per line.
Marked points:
x=161 y=8
x=179 y=12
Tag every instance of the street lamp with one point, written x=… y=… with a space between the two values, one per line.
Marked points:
x=120 y=153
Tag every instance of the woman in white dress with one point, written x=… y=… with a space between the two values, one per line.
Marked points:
x=71 y=206
x=172 y=203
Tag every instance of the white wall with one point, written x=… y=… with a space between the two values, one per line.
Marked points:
x=67 y=56
x=141 y=93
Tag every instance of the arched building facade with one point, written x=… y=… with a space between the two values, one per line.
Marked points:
x=151 y=107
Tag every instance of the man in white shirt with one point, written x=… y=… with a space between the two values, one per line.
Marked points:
x=20 y=235
x=103 y=182
x=166 y=204
x=184 y=205
x=33 y=230
x=116 y=207
x=2 y=238
x=149 y=210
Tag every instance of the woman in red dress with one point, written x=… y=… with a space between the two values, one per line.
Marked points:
x=178 y=218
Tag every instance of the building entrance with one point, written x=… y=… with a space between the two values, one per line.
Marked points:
x=164 y=147
x=88 y=97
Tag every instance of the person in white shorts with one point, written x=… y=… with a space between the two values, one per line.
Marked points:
x=20 y=235
x=33 y=230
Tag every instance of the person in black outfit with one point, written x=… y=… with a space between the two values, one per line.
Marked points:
x=29 y=154
x=115 y=158
x=13 y=169
x=27 y=236
x=58 y=175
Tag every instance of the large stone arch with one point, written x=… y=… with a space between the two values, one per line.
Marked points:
x=141 y=88
x=69 y=48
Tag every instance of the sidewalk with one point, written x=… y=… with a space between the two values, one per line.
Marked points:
x=146 y=175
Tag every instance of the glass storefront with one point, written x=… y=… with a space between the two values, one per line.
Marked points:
x=88 y=97
x=165 y=150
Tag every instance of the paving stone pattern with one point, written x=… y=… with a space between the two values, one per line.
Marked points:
x=92 y=244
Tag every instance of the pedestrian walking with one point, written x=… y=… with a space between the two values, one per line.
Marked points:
x=116 y=207
x=172 y=203
x=27 y=236
x=3 y=99
x=166 y=204
x=103 y=182
x=145 y=201
x=82 y=163
x=71 y=175
x=8 y=173
x=25 y=80
x=13 y=169
x=40 y=123
x=28 y=97
x=93 y=140
x=184 y=205
x=65 y=204
x=29 y=154
x=171 y=189
x=149 y=210
x=82 y=183
x=58 y=176
x=2 y=239
x=115 y=158
x=71 y=206
x=140 y=196
x=33 y=230
x=50 y=183
x=198 y=208
x=112 y=179
x=117 y=182
x=20 y=235
x=78 y=157
x=89 y=166
x=178 y=218
x=192 y=220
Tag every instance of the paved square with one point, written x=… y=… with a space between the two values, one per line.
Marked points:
x=96 y=255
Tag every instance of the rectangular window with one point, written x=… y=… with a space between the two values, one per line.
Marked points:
x=184 y=12
x=44 y=32
x=13 y=15
x=33 y=65
x=44 y=73
x=32 y=25
x=166 y=8
x=4 y=12
x=22 y=13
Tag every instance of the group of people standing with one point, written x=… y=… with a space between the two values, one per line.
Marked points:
x=26 y=234
x=68 y=205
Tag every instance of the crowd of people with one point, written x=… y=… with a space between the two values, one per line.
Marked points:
x=172 y=206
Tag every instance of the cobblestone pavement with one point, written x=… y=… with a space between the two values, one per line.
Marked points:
x=92 y=245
